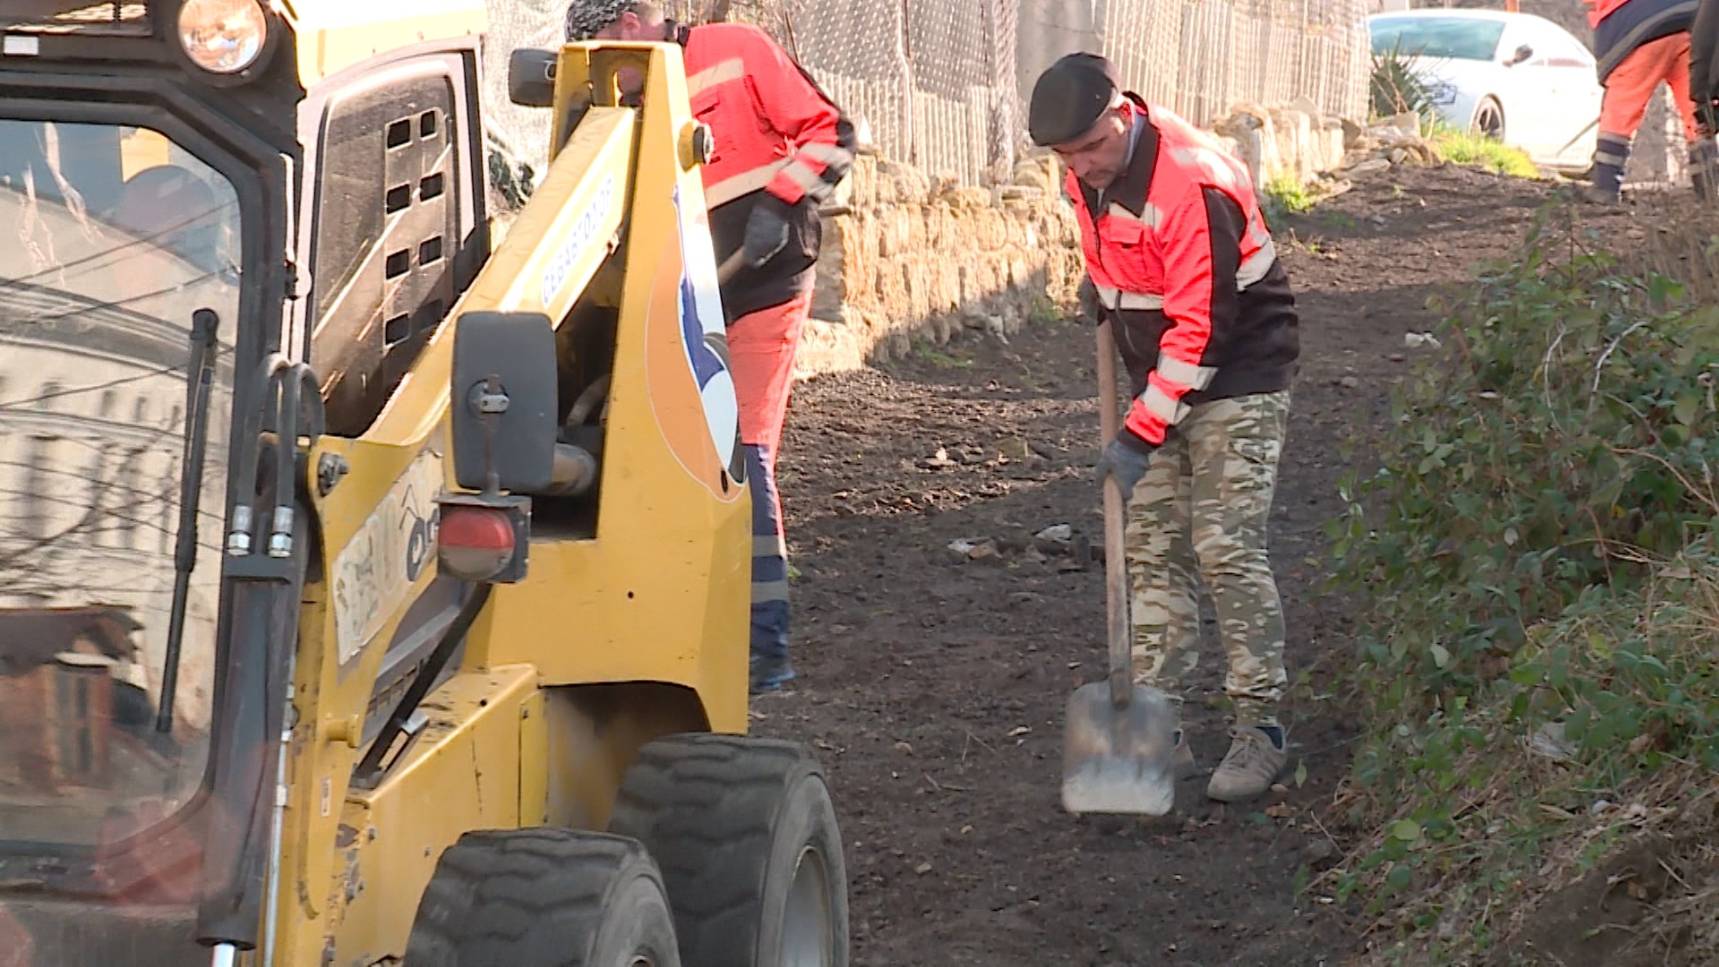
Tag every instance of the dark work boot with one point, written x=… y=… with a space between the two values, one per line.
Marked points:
x=769 y=674
x=1611 y=153
x=770 y=666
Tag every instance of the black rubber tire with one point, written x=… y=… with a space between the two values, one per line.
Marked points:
x=543 y=897
x=730 y=820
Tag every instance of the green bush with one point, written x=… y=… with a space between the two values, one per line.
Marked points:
x=1537 y=558
x=1396 y=89
x=1285 y=196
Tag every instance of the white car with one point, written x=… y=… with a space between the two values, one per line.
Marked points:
x=1512 y=76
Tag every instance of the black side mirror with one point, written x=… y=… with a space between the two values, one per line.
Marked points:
x=503 y=397
x=531 y=77
x=1523 y=53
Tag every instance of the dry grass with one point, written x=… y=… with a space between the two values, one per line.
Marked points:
x=1685 y=247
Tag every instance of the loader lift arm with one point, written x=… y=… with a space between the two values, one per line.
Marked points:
x=552 y=251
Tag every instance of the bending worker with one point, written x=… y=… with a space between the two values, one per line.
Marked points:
x=1185 y=273
x=1639 y=44
x=781 y=147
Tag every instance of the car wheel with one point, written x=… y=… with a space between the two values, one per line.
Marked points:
x=1489 y=120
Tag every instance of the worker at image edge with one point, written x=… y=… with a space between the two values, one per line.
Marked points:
x=1181 y=265
x=781 y=147
x=1638 y=45
x=1704 y=73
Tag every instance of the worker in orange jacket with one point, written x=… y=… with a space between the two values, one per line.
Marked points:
x=781 y=146
x=1182 y=266
x=1640 y=44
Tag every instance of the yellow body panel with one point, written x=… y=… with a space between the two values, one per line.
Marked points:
x=534 y=727
x=336 y=34
x=467 y=776
x=533 y=750
x=636 y=618
x=143 y=149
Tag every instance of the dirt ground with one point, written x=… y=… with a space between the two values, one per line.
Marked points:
x=933 y=686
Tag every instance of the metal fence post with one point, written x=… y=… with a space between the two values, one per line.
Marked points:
x=904 y=64
x=1001 y=18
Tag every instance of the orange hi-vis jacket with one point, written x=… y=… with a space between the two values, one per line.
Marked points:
x=778 y=140
x=1186 y=272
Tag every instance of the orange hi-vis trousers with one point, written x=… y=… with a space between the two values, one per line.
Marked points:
x=1632 y=82
x=1666 y=61
x=761 y=347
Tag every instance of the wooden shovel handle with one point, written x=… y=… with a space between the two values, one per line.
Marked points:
x=1115 y=557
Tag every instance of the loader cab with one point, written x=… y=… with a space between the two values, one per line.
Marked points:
x=197 y=193
x=139 y=189
x=393 y=225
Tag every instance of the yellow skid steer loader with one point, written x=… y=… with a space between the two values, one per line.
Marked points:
x=372 y=591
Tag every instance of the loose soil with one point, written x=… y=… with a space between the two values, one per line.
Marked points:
x=933 y=686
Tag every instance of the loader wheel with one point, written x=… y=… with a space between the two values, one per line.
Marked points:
x=543 y=897
x=747 y=838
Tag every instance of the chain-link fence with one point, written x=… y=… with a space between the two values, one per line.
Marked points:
x=932 y=81
x=1203 y=58
x=518 y=136
x=942 y=84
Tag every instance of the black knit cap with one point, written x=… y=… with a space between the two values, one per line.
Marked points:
x=1069 y=98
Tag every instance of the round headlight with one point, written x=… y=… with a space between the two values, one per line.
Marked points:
x=223 y=36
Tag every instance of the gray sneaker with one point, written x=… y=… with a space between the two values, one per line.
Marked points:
x=1252 y=765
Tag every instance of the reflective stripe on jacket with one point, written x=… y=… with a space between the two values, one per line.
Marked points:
x=1186 y=270
x=776 y=134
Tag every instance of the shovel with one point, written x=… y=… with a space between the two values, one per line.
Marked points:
x=1118 y=737
x=730 y=265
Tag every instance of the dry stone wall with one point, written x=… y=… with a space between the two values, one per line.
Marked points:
x=1292 y=144
x=907 y=256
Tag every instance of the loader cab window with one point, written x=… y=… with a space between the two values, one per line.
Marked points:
x=117 y=234
x=391 y=211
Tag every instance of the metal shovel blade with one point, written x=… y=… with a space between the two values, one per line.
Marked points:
x=1118 y=740
x=1118 y=758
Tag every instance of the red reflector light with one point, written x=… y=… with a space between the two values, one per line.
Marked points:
x=476 y=543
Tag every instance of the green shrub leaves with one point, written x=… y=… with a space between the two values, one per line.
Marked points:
x=1540 y=572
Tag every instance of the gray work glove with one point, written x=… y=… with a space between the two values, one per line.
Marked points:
x=766 y=231
x=1126 y=458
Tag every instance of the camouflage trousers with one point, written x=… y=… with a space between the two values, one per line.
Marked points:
x=1200 y=513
